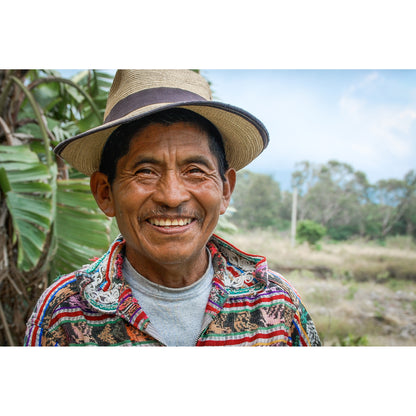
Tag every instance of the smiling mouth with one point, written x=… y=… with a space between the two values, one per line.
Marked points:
x=170 y=222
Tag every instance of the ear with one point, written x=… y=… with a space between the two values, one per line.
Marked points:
x=101 y=189
x=228 y=188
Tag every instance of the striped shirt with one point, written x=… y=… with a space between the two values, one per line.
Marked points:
x=249 y=305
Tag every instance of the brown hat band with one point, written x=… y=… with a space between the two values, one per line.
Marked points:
x=150 y=96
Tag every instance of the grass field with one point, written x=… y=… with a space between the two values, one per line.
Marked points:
x=358 y=293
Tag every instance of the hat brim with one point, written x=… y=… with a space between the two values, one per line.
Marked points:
x=244 y=136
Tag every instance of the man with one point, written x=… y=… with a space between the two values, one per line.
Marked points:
x=164 y=164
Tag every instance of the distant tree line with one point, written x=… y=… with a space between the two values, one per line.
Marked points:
x=331 y=194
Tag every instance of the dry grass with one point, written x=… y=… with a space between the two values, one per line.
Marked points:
x=357 y=293
x=359 y=260
x=371 y=311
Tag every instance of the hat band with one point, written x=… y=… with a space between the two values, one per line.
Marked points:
x=150 y=96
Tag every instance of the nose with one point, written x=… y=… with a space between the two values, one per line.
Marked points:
x=171 y=190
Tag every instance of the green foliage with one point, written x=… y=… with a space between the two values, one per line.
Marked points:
x=332 y=194
x=342 y=199
x=51 y=222
x=341 y=233
x=352 y=290
x=28 y=187
x=309 y=231
x=48 y=211
x=77 y=215
x=257 y=200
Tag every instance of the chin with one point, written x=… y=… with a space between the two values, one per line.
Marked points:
x=178 y=255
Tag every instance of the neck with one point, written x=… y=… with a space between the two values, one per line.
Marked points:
x=171 y=275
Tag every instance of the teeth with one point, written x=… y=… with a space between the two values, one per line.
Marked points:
x=170 y=223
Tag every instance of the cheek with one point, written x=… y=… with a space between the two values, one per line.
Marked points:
x=128 y=201
x=131 y=191
x=211 y=199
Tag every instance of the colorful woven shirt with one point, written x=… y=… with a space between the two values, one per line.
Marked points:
x=249 y=305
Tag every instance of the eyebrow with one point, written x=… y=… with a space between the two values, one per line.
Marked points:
x=145 y=160
x=200 y=160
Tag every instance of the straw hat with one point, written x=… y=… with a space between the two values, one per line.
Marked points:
x=138 y=93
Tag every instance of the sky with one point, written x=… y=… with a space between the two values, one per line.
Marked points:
x=366 y=118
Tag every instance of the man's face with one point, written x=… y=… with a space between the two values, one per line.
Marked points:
x=167 y=195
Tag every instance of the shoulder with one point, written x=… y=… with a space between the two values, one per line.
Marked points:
x=68 y=290
x=275 y=279
x=60 y=292
x=238 y=263
x=61 y=289
x=305 y=333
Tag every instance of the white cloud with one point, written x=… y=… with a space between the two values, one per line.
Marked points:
x=366 y=119
x=354 y=101
x=368 y=80
x=351 y=106
x=380 y=126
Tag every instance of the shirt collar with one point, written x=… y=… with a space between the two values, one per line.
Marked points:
x=104 y=288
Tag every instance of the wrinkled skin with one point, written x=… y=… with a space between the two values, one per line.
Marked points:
x=167 y=197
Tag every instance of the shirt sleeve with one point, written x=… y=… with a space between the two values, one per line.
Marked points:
x=303 y=330
x=39 y=337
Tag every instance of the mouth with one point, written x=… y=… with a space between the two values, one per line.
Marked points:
x=170 y=222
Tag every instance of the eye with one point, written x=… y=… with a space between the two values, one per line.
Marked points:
x=194 y=171
x=144 y=172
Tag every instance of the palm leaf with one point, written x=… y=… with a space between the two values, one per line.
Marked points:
x=29 y=198
x=81 y=230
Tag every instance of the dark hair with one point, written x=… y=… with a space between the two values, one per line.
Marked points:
x=118 y=143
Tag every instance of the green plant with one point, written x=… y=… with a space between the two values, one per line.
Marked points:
x=309 y=231
x=256 y=199
x=379 y=311
x=352 y=290
x=49 y=220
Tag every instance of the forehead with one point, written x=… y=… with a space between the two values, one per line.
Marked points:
x=180 y=136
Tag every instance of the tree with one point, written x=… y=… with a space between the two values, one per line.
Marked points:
x=256 y=200
x=409 y=212
x=393 y=198
x=49 y=221
x=332 y=194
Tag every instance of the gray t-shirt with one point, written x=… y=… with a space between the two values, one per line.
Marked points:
x=175 y=313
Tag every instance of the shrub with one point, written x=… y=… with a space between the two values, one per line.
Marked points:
x=341 y=233
x=309 y=231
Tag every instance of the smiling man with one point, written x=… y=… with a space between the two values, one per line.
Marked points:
x=164 y=165
x=167 y=196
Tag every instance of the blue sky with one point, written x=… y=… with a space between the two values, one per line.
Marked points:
x=366 y=118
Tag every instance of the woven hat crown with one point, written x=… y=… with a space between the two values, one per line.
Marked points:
x=131 y=89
